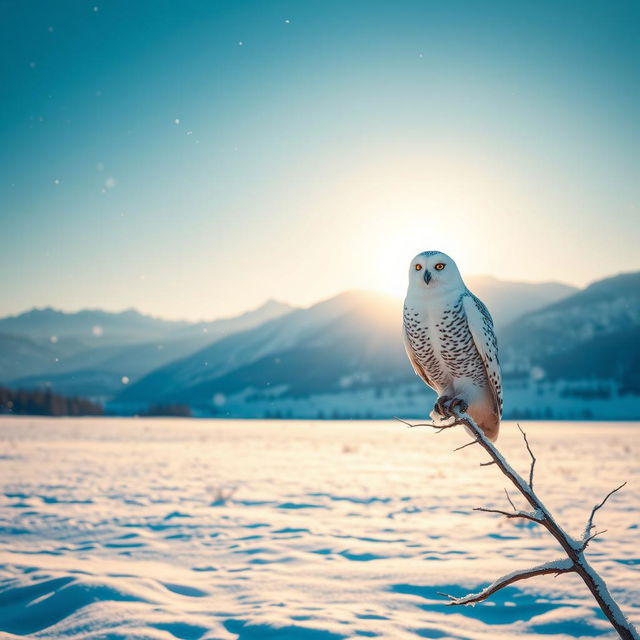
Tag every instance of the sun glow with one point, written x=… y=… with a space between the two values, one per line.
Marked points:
x=392 y=264
x=395 y=253
x=416 y=201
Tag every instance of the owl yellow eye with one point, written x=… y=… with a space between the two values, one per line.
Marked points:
x=440 y=266
x=418 y=267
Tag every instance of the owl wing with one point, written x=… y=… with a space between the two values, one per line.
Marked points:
x=412 y=358
x=481 y=328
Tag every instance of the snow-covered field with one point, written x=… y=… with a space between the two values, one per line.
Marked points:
x=163 y=529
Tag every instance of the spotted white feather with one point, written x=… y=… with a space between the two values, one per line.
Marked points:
x=484 y=336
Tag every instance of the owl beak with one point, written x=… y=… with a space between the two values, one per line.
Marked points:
x=427 y=276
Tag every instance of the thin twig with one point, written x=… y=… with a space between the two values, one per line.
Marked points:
x=464 y=446
x=533 y=458
x=512 y=514
x=589 y=525
x=487 y=464
x=438 y=427
x=509 y=499
x=591 y=537
x=413 y=426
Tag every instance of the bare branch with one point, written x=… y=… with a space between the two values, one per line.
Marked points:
x=487 y=464
x=533 y=458
x=575 y=560
x=564 y=565
x=512 y=514
x=589 y=525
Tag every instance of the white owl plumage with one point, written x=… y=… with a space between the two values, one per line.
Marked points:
x=451 y=342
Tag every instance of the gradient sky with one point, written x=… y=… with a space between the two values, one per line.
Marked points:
x=192 y=158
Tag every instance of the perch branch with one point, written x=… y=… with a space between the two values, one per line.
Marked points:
x=575 y=561
x=559 y=566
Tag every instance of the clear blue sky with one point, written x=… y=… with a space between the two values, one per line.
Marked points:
x=192 y=158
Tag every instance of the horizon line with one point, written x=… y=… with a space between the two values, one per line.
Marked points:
x=151 y=314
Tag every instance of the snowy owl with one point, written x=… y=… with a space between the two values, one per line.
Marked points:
x=449 y=337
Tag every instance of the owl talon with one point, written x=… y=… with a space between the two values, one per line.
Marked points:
x=458 y=403
x=441 y=407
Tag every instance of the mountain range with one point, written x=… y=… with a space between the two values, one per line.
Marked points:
x=90 y=352
x=565 y=353
x=591 y=333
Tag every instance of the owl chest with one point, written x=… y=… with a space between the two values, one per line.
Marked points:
x=441 y=342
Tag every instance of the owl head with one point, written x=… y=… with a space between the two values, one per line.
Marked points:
x=432 y=271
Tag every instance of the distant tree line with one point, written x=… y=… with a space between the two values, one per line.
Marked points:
x=43 y=402
x=175 y=410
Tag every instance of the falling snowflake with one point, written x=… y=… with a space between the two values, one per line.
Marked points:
x=537 y=373
x=189 y=132
x=110 y=182
x=95 y=9
x=53 y=339
x=97 y=331
x=176 y=121
x=287 y=21
x=219 y=399
x=240 y=43
x=56 y=181
x=124 y=379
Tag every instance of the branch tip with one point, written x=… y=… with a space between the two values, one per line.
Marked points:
x=586 y=537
